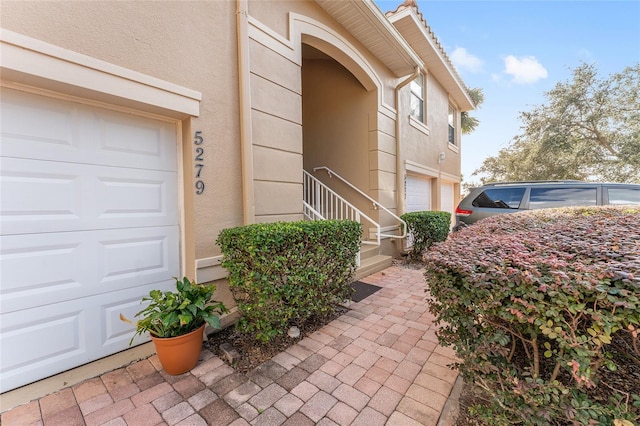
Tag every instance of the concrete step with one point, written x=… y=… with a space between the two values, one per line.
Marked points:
x=368 y=250
x=372 y=264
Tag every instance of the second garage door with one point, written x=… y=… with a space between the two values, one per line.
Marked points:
x=89 y=224
x=418 y=193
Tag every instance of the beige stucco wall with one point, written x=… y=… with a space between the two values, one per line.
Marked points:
x=194 y=44
x=422 y=145
x=185 y=43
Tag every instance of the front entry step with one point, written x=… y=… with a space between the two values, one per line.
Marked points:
x=371 y=261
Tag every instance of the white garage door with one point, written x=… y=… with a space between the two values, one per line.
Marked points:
x=418 y=194
x=89 y=225
x=446 y=200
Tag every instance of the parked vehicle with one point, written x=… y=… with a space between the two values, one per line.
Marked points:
x=511 y=197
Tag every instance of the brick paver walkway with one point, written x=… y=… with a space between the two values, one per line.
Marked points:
x=379 y=364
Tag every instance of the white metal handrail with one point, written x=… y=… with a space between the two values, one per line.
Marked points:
x=376 y=204
x=320 y=202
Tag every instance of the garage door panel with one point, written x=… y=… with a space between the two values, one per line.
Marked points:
x=418 y=194
x=45 y=196
x=33 y=124
x=89 y=225
x=60 y=340
x=134 y=258
x=71 y=265
x=83 y=330
x=50 y=129
x=31 y=195
x=135 y=197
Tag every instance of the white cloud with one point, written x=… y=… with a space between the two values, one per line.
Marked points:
x=464 y=60
x=524 y=70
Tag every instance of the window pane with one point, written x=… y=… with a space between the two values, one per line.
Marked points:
x=544 y=198
x=500 y=198
x=452 y=135
x=417 y=108
x=624 y=195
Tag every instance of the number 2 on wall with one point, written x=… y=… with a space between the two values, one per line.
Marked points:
x=199 y=160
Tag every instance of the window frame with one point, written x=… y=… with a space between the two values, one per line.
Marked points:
x=420 y=95
x=452 y=122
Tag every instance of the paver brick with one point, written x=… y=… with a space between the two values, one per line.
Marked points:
x=267 y=396
x=324 y=381
x=109 y=412
x=286 y=360
x=318 y=406
x=351 y=396
x=219 y=413
x=89 y=389
x=188 y=386
x=313 y=363
x=241 y=394
x=23 y=415
x=369 y=417
x=351 y=374
x=202 y=399
x=143 y=415
x=270 y=417
x=193 y=420
x=54 y=403
x=151 y=394
x=96 y=403
x=299 y=419
x=426 y=397
x=293 y=378
x=304 y=391
x=288 y=404
x=367 y=386
x=216 y=375
x=421 y=413
x=342 y=414
x=247 y=411
x=385 y=400
x=166 y=401
x=227 y=384
x=397 y=383
x=141 y=369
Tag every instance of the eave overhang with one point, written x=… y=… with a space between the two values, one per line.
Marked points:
x=422 y=40
x=364 y=21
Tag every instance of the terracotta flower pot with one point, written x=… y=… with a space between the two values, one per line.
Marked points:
x=179 y=354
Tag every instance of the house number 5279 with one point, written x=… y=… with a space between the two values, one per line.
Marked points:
x=199 y=161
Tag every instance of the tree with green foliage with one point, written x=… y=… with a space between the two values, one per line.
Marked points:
x=589 y=129
x=469 y=123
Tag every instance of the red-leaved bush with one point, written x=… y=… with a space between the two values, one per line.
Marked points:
x=538 y=305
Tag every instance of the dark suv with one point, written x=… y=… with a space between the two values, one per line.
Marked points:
x=511 y=197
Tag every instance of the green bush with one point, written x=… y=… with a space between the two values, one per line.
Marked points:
x=543 y=308
x=426 y=228
x=284 y=273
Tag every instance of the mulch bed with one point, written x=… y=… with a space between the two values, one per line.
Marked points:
x=253 y=353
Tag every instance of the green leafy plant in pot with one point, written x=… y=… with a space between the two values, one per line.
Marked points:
x=176 y=321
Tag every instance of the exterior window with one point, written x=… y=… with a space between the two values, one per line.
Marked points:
x=544 y=198
x=417 y=98
x=500 y=198
x=452 y=125
x=624 y=196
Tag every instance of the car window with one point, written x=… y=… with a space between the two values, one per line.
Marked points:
x=624 y=195
x=500 y=198
x=544 y=198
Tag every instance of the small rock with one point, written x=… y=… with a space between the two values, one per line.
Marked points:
x=229 y=353
x=294 y=332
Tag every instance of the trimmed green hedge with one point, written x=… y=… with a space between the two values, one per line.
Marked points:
x=283 y=273
x=541 y=307
x=426 y=228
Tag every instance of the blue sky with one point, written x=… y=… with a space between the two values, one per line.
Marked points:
x=517 y=50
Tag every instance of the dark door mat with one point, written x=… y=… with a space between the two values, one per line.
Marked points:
x=362 y=290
